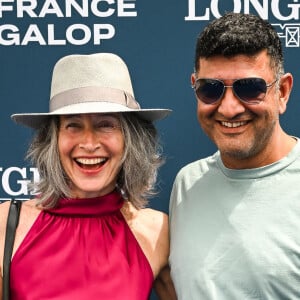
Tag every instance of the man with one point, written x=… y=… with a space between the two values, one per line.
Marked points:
x=235 y=216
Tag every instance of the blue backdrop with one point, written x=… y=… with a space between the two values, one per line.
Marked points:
x=155 y=38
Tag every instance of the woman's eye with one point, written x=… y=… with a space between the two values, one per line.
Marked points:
x=72 y=126
x=105 y=125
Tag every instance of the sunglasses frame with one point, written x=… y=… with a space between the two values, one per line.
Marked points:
x=268 y=85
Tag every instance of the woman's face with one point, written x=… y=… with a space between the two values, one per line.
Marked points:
x=91 y=148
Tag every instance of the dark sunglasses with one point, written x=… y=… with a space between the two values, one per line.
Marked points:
x=248 y=90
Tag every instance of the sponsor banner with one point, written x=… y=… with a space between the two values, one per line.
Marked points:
x=155 y=38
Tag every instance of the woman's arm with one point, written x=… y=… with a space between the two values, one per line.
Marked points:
x=1 y=287
x=151 y=229
x=163 y=285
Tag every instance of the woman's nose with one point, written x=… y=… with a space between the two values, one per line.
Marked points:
x=90 y=141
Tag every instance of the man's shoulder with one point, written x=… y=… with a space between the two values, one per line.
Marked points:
x=199 y=166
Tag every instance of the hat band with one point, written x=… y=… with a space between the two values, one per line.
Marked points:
x=92 y=94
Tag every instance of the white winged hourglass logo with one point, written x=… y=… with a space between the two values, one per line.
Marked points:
x=289 y=33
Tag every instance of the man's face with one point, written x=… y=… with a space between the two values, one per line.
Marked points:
x=243 y=133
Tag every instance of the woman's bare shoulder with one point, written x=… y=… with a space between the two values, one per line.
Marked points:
x=4 y=207
x=28 y=209
x=155 y=219
x=28 y=214
x=151 y=218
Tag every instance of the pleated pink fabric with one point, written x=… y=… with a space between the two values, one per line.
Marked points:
x=83 y=249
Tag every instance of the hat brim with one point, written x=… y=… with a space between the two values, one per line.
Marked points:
x=35 y=120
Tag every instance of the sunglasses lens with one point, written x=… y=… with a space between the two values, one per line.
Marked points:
x=250 y=90
x=209 y=91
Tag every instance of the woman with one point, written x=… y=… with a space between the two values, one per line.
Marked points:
x=87 y=235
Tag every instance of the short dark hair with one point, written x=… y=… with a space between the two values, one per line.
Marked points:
x=237 y=33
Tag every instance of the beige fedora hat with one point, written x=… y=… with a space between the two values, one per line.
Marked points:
x=93 y=83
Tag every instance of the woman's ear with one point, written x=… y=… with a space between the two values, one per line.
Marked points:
x=193 y=79
x=285 y=88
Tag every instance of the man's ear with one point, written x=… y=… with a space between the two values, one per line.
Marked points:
x=285 y=88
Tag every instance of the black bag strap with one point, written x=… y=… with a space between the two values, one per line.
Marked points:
x=11 y=225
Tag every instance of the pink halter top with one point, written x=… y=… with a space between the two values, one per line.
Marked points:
x=82 y=249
